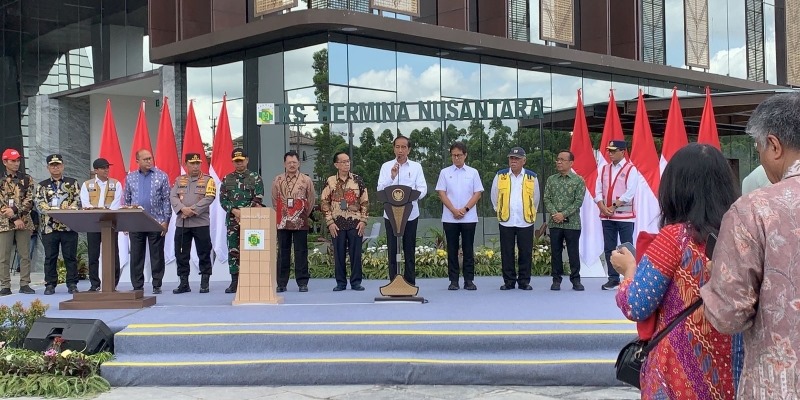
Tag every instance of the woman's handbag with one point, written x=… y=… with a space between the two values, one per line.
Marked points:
x=630 y=359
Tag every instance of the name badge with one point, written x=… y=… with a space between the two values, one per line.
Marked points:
x=343 y=205
x=54 y=202
x=290 y=202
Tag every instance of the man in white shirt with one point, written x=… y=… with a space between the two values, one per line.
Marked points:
x=402 y=171
x=460 y=188
x=614 y=191
x=100 y=192
x=755 y=180
x=515 y=197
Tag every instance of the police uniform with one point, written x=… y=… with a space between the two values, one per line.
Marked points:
x=96 y=193
x=196 y=193
x=63 y=194
x=239 y=189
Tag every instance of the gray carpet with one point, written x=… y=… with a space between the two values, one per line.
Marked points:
x=488 y=336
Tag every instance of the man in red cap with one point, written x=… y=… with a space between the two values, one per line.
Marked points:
x=16 y=203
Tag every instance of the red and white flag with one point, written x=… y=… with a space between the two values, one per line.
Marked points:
x=645 y=159
x=585 y=165
x=111 y=151
x=166 y=157
x=221 y=165
x=675 y=132
x=708 y=124
x=141 y=139
x=612 y=130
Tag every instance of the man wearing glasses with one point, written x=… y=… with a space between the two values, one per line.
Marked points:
x=563 y=196
x=614 y=191
x=460 y=188
x=345 y=204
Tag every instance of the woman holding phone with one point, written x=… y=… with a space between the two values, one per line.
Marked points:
x=694 y=361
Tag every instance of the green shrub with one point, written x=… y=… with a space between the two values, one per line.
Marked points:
x=16 y=321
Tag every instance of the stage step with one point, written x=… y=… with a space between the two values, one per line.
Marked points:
x=569 y=352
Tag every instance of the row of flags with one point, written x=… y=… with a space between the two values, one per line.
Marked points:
x=166 y=159
x=644 y=157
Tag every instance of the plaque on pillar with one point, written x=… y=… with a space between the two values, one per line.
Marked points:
x=397 y=205
x=108 y=223
x=257 y=257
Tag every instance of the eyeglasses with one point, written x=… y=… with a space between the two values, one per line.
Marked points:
x=343 y=162
x=562 y=160
x=456 y=155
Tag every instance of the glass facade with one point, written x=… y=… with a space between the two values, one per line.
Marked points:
x=51 y=46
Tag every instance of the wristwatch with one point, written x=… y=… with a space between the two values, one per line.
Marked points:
x=466 y=208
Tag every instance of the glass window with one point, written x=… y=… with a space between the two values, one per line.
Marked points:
x=676 y=47
x=460 y=79
x=769 y=43
x=337 y=63
x=379 y=72
x=298 y=66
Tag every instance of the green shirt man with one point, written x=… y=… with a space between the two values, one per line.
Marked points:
x=240 y=188
x=563 y=197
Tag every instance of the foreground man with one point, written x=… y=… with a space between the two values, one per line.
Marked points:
x=16 y=203
x=240 y=188
x=190 y=198
x=100 y=192
x=753 y=286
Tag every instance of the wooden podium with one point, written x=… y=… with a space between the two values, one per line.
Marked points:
x=258 y=247
x=108 y=223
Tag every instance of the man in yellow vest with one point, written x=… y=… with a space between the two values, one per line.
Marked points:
x=515 y=197
x=191 y=197
x=100 y=192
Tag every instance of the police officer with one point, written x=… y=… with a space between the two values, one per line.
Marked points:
x=190 y=197
x=60 y=193
x=240 y=188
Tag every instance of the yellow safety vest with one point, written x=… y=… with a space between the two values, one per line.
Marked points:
x=94 y=192
x=504 y=195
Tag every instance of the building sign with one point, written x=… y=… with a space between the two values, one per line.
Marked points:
x=405 y=7
x=448 y=110
x=264 y=7
x=265 y=113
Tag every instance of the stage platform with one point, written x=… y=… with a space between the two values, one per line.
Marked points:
x=488 y=336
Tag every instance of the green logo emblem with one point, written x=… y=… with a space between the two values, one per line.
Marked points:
x=266 y=116
x=254 y=240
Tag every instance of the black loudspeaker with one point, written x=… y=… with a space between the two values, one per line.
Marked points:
x=89 y=336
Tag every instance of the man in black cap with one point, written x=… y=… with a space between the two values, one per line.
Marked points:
x=58 y=193
x=614 y=191
x=515 y=197
x=190 y=197
x=100 y=192
x=240 y=188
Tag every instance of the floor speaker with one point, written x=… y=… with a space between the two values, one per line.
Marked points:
x=89 y=336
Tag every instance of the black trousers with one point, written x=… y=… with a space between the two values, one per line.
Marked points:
x=347 y=241
x=610 y=231
x=452 y=232
x=409 y=244
x=557 y=238
x=139 y=242
x=300 y=239
x=93 y=244
x=68 y=242
x=183 y=249
x=522 y=238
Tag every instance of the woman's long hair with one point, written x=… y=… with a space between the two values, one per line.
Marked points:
x=697 y=188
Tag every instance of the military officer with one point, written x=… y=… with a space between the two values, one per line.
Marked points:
x=190 y=198
x=240 y=188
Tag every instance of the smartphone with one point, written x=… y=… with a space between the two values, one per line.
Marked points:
x=629 y=246
x=711 y=242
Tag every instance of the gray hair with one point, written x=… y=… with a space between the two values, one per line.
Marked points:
x=779 y=116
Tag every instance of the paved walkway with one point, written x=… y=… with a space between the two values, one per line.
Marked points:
x=369 y=393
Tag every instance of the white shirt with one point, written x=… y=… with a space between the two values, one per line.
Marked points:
x=633 y=184
x=515 y=207
x=410 y=174
x=460 y=184
x=115 y=204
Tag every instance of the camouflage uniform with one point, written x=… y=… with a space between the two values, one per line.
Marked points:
x=238 y=190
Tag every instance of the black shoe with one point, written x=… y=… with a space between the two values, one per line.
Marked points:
x=234 y=286
x=72 y=289
x=156 y=290
x=357 y=288
x=303 y=288
x=453 y=286
x=507 y=287
x=94 y=289
x=26 y=290
x=280 y=289
x=204 y=278
x=610 y=285
x=5 y=292
x=339 y=288
x=48 y=290
x=180 y=289
x=525 y=286
x=555 y=286
x=470 y=286
x=578 y=286
x=204 y=289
